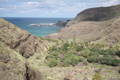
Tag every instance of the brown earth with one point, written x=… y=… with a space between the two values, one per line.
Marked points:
x=105 y=31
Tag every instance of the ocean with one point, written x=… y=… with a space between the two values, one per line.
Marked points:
x=24 y=23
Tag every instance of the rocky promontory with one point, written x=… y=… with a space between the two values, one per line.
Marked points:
x=59 y=23
x=96 y=14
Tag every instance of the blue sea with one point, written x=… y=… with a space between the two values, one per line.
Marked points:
x=24 y=23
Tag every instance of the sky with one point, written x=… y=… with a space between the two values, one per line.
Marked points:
x=49 y=8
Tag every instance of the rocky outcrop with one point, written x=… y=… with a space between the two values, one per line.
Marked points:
x=32 y=74
x=61 y=23
x=14 y=67
x=19 y=40
x=96 y=14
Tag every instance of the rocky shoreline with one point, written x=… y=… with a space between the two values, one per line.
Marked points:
x=59 y=23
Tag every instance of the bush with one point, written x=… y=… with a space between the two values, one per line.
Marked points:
x=81 y=59
x=70 y=60
x=109 y=61
x=107 y=52
x=95 y=54
x=52 y=63
x=79 y=48
x=118 y=53
x=65 y=46
x=53 y=55
x=66 y=62
x=94 y=59
x=75 y=60
x=85 y=53
x=97 y=76
x=115 y=62
x=110 y=51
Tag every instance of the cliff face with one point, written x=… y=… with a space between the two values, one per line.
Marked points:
x=19 y=40
x=96 y=14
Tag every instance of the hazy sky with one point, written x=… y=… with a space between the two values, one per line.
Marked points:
x=49 y=8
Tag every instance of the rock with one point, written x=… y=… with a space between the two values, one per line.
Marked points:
x=61 y=23
x=85 y=78
x=19 y=40
x=32 y=74
x=68 y=77
x=4 y=57
x=14 y=67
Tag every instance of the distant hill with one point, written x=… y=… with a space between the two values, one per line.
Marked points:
x=96 y=14
x=96 y=24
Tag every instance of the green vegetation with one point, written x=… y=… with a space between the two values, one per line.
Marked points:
x=97 y=76
x=71 y=53
x=52 y=63
x=118 y=53
x=48 y=39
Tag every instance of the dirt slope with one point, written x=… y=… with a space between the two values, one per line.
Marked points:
x=107 y=31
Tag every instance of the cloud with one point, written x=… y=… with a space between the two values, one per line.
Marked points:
x=50 y=8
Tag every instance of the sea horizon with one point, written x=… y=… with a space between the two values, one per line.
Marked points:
x=24 y=23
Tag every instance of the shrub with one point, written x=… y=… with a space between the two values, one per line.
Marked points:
x=115 y=62
x=53 y=55
x=101 y=52
x=95 y=54
x=79 y=48
x=118 y=53
x=70 y=60
x=85 y=53
x=66 y=62
x=65 y=46
x=94 y=59
x=75 y=60
x=81 y=59
x=106 y=52
x=85 y=62
x=97 y=76
x=110 y=51
x=52 y=63
x=94 y=49
x=109 y=61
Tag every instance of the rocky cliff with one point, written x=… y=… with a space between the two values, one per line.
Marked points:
x=96 y=14
x=62 y=23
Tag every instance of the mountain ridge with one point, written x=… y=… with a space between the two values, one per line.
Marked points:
x=91 y=30
x=96 y=14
